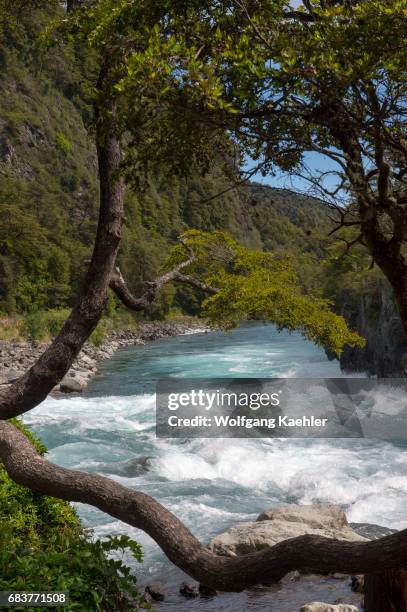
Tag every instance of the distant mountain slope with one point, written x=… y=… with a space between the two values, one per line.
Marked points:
x=49 y=202
x=288 y=219
x=49 y=191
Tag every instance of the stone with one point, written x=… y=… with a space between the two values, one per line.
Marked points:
x=156 y=591
x=87 y=361
x=69 y=384
x=78 y=372
x=281 y=523
x=291 y=577
x=10 y=375
x=374 y=314
x=206 y=591
x=138 y=466
x=189 y=590
x=324 y=607
x=357 y=584
x=147 y=597
x=17 y=357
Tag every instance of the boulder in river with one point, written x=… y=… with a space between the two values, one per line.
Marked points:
x=189 y=590
x=281 y=523
x=72 y=384
x=156 y=591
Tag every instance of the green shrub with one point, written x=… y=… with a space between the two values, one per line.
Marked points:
x=63 y=143
x=34 y=327
x=98 y=336
x=42 y=324
x=43 y=546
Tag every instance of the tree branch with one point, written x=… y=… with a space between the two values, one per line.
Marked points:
x=195 y=282
x=119 y=286
x=305 y=553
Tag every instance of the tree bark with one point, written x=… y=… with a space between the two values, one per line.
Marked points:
x=119 y=286
x=386 y=245
x=386 y=591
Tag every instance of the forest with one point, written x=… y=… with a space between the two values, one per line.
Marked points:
x=139 y=143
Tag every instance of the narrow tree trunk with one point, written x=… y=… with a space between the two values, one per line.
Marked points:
x=392 y=263
x=34 y=386
x=386 y=591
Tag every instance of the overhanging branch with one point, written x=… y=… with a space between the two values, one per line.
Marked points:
x=305 y=553
x=120 y=288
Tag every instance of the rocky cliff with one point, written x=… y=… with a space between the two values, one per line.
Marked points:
x=374 y=315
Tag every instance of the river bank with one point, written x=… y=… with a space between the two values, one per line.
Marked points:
x=17 y=357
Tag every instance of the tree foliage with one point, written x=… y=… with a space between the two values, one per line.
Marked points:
x=245 y=78
x=48 y=187
x=261 y=285
x=44 y=546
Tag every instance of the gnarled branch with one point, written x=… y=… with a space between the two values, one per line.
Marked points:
x=305 y=553
x=196 y=283
x=119 y=286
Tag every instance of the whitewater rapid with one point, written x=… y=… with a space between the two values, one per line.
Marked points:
x=213 y=483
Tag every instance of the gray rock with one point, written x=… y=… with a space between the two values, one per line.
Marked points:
x=324 y=607
x=17 y=357
x=69 y=384
x=147 y=597
x=87 y=361
x=294 y=576
x=189 y=590
x=357 y=584
x=281 y=523
x=374 y=314
x=138 y=466
x=156 y=591
x=77 y=372
x=10 y=375
x=207 y=591
x=372 y=531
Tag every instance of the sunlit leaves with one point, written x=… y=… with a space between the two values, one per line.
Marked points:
x=257 y=285
x=186 y=74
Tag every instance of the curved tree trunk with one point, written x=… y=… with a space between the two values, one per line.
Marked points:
x=307 y=553
x=34 y=386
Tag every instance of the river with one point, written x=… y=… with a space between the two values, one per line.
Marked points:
x=213 y=483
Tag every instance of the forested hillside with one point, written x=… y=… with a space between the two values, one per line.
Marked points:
x=49 y=200
x=49 y=193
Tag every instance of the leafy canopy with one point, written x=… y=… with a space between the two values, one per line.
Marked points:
x=257 y=285
x=273 y=79
x=188 y=77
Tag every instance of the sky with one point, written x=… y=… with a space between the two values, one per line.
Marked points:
x=313 y=161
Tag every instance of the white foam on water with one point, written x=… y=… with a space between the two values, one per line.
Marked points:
x=359 y=476
x=178 y=465
x=368 y=478
x=195 y=330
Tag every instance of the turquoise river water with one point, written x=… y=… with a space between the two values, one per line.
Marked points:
x=213 y=483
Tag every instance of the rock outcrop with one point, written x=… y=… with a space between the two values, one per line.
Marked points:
x=375 y=316
x=281 y=523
